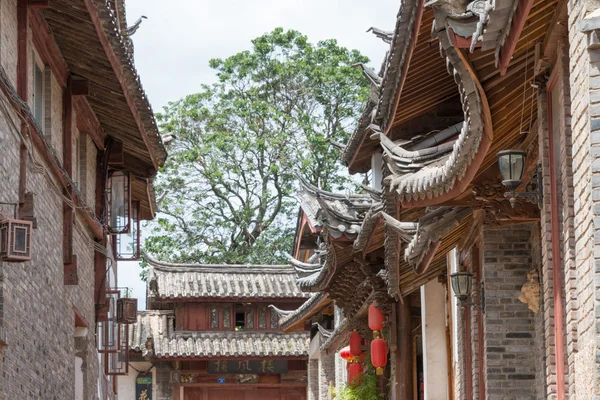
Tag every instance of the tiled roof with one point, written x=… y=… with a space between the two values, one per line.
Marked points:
x=177 y=281
x=287 y=318
x=153 y=335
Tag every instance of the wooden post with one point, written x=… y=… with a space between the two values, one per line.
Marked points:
x=22 y=88
x=404 y=368
x=68 y=213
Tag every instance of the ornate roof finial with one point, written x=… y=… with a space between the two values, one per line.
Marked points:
x=386 y=36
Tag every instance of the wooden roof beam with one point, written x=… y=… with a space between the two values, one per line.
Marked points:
x=518 y=23
x=118 y=70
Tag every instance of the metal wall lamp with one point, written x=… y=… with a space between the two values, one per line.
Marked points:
x=462 y=283
x=512 y=166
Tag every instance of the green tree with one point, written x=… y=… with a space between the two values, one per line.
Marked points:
x=225 y=192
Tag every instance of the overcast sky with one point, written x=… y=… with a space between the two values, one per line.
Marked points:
x=173 y=46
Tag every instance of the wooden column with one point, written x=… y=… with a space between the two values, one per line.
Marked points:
x=22 y=88
x=404 y=366
x=68 y=214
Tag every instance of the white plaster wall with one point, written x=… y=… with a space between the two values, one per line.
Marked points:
x=435 y=366
x=126 y=383
x=78 y=378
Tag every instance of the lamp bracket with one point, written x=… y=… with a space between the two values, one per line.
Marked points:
x=477 y=299
x=533 y=192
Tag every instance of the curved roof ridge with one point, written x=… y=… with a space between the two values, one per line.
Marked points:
x=220 y=268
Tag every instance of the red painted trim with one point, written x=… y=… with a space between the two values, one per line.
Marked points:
x=212 y=358
x=47 y=48
x=22 y=88
x=22 y=50
x=303 y=222
x=79 y=319
x=518 y=23
x=460 y=42
x=468 y=354
x=480 y=336
x=558 y=284
x=118 y=70
x=88 y=122
x=298 y=300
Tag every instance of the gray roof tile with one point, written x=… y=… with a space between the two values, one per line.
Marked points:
x=167 y=343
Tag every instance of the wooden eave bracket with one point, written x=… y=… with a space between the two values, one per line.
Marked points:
x=70 y=272
x=26 y=209
x=80 y=86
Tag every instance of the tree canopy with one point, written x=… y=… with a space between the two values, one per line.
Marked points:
x=226 y=191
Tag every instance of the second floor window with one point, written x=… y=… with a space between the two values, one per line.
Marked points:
x=38 y=93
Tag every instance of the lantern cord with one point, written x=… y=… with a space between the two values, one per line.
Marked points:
x=142 y=372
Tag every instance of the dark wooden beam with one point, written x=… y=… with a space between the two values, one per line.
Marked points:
x=118 y=70
x=116 y=156
x=46 y=47
x=88 y=122
x=518 y=22
x=68 y=212
x=22 y=90
x=80 y=86
x=404 y=354
x=38 y=3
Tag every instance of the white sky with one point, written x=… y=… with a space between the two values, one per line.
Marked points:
x=173 y=46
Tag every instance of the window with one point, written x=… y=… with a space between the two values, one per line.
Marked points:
x=38 y=93
x=249 y=317
x=227 y=317
x=262 y=317
x=214 y=317
x=240 y=317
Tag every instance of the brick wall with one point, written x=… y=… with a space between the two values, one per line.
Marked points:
x=37 y=317
x=509 y=330
x=584 y=358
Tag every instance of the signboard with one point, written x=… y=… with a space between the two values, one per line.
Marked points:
x=248 y=367
x=221 y=380
x=143 y=386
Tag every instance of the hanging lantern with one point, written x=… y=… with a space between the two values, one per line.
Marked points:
x=118 y=201
x=346 y=354
x=355 y=344
x=127 y=245
x=379 y=355
x=355 y=374
x=376 y=318
x=126 y=310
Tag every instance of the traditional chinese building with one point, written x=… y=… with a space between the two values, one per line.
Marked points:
x=80 y=149
x=479 y=140
x=210 y=334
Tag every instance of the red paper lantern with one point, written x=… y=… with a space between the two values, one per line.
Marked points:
x=355 y=344
x=355 y=374
x=376 y=318
x=346 y=354
x=379 y=355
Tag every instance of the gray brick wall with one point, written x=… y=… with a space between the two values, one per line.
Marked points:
x=36 y=309
x=510 y=355
x=326 y=374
